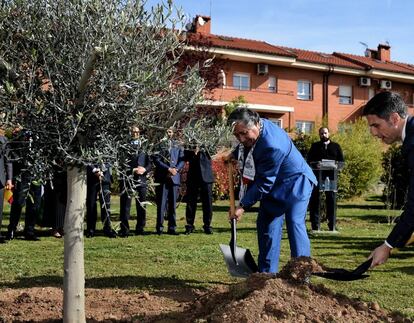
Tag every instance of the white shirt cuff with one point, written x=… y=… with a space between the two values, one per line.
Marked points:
x=388 y=245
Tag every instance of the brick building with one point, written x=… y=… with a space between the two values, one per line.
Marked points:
x=297 y=88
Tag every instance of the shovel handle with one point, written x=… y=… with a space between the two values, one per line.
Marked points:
x=231 y=188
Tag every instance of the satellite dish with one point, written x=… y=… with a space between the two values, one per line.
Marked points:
x=201 y=21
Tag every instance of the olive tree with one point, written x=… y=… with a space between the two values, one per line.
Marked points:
x=77 y=74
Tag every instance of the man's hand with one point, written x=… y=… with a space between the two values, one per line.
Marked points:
x=238 y=213
x=172 y=171
x=98 y=173
x=8 y=185
x=380 y=255
x=139 y=170
x=223 y=154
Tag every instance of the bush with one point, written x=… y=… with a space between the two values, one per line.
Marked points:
x=395 y=178
x=362 y=153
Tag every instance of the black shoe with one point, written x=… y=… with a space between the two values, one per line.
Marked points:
x=90 y=233
x=31 y=236
x=208 y=230
x=139 y=232
x=2 y=239
x=123 y=234
x=189 y=229
x=110 y=233
x=10 y=235
x=172 y=232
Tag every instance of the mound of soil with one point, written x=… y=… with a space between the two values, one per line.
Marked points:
x=286 y=297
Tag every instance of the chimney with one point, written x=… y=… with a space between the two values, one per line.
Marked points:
x=384 y=52
x=202 y=24
x=371 y=53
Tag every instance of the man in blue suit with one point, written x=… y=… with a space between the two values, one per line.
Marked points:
x=388 y=120
x=275 y=174
x=168 y=163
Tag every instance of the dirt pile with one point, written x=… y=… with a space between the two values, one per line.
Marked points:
x=286 y=297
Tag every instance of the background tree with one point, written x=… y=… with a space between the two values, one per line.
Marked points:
x=77 y=74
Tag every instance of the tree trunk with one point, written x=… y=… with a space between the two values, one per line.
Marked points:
x=74 y=268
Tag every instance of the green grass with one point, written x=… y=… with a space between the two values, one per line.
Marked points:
x=166 y=262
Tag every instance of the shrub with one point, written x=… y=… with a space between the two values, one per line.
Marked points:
x=362 y=153
x=395 y=178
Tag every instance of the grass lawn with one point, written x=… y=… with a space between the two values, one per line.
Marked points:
x=166 y=262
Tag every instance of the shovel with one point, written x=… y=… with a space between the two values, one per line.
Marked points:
x=346 y=275
x=239 y=261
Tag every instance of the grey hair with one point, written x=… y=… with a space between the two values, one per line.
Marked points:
x=245 y=116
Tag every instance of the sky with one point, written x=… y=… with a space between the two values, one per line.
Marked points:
x=316 y=25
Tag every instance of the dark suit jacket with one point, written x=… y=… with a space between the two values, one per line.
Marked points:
x=319 y=151
x=166 y=158
x=93 y=179
x=6 y=166
x=405 y=226
x=199 y=166
x=140 y=159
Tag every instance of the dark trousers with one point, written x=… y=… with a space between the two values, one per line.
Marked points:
x=25 y=193
x=125 y=207
x=206 y=195
x=314 y=209
x=1 y=206
x=93 y=190
x=166 y=198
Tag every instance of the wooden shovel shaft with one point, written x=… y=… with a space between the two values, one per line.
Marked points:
x=231 y=187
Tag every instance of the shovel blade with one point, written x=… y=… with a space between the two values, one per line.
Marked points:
x=243 y=264
x=340 y=276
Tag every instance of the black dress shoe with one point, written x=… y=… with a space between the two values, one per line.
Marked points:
x=110 y=233
x=208 y=231
x=189 y=229
x=172 y=232
x=10 y=235
x=123 y=234
x=31 y=236
x=90 y=233
x=140 y=232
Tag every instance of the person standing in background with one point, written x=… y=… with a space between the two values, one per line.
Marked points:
x=200 y=181
x=6 y=175
x=168 y=162
x=323 y=149
x=139 y=166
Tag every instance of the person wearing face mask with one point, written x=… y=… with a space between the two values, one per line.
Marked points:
x=328 y=150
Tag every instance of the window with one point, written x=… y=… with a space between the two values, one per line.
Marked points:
x=304 y=126
x=241 y=81
x=277 y=122
x=272 y=84
x=304 y=90
x=345 y=94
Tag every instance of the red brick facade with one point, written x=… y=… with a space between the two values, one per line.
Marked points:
x=340 y=84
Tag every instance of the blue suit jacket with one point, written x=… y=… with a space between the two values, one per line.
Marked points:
x=167 y=158
x=280 y=170
x=405 y=226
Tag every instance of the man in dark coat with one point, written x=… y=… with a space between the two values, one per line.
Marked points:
x=134 y=183
x=199 y=182
x=98 y=183
x=323 y=149
x=168 y=163
x=6 y=175
x=388 y=120
x=27 y=191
